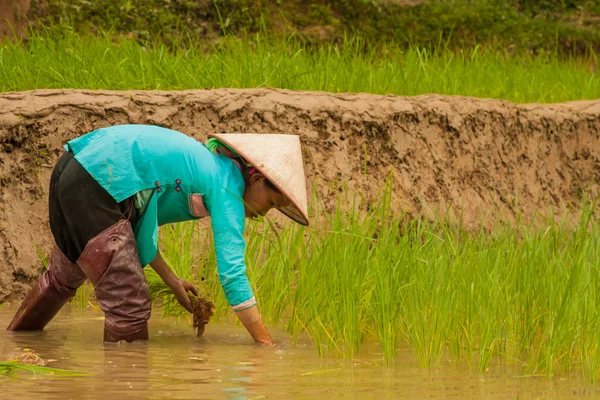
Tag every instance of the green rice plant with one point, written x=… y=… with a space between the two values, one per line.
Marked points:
x=517 y=293
x=43 y=258
x=31 y=362
x=12 y=367
x=84 y=297
x=59 y=58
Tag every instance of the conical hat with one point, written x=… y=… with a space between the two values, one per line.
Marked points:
x=279 y=158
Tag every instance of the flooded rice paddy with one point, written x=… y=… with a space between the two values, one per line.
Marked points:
x=224 y=364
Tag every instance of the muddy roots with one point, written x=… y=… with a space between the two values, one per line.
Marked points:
x=202 y=310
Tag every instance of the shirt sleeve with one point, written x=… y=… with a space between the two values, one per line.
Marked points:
x=146 y=233
x=228 y=219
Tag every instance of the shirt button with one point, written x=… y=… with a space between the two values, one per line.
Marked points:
x=178 y=181
x=157 y=183
x=178 y=189
x=159 y=190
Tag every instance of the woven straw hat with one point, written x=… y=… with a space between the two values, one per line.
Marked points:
x=279 y=158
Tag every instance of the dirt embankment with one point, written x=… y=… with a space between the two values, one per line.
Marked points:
x=481 y=157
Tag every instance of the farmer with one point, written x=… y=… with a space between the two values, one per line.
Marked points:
x=113 y=188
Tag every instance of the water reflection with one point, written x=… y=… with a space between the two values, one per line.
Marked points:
x=225 y=364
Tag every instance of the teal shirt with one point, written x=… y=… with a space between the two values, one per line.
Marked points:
x=128 y=159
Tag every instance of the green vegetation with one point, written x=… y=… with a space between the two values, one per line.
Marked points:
x=518 y=294
x=515 y=293
x=31 y=362
x=60 y=59
x=12 y=367
x=569 y=25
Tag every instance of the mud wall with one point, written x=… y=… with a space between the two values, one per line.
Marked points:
x=482 y=158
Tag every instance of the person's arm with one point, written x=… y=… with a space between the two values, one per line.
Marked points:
x=180 y=287
x=234 y=281
x=251 y=319
x=227 y=220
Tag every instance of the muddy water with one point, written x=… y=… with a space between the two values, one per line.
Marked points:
x=224 y=364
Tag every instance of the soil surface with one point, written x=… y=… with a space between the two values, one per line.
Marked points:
x=478 y=159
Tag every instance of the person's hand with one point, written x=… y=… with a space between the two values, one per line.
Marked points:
x=180 y=288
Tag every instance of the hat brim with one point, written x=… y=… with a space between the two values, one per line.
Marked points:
x=292 y=210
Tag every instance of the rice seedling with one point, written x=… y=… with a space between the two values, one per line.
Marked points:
x=12 y=367
x=31 y=362
x=520 y=294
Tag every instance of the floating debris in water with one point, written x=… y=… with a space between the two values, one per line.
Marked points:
x=30 y=358
x=31 y=362
x=321 y=371
x=202 y=311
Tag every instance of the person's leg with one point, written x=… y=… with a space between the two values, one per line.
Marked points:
x=62 y=278
x=102 y=243
x=110 y=261
x=95 y=231
x=57 y=285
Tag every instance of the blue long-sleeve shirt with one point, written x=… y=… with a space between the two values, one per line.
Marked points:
x=129 y=159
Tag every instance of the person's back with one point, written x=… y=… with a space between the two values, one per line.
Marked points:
x=126 y=159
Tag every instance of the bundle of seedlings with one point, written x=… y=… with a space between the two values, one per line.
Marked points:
x=202 y=311
x=31 y=362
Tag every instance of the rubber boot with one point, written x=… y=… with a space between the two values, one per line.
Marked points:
x=110 y=261
x=57 y=285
